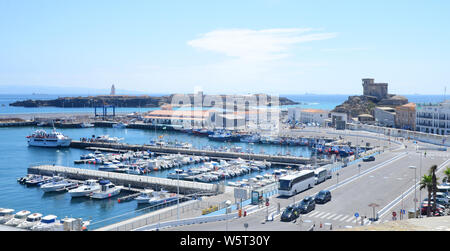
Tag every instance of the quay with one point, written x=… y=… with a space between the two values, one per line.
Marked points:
x=128 y=180
x=283 y=160
x=17 y=124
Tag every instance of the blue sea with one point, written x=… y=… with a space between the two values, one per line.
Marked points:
x=17 y=157
x=326 y=102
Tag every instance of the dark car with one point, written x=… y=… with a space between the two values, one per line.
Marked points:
x=306 y=205
x=290 y=213
x=369 y=158
x=323 y=197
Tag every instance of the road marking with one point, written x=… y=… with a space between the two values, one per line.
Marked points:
x=338 y=217
x=325 y=215
x=349 y=219
x=345 y=217
x=319 y=214
x=331 y=216
x=314 y=213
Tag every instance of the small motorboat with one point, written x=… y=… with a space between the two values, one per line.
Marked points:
x=107 y=190
x=6 y=214
x=145 y=196
x=18 y=218
x=32 y=220
x=88 y=187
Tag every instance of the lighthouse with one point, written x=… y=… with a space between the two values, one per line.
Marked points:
x=113 y=90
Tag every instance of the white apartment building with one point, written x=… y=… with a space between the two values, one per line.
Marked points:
x=433 y=118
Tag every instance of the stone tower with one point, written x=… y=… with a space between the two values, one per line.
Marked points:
x=113 y=90
x=378 y=90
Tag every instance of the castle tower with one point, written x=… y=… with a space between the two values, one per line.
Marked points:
x=378 y=90
x=113 y=90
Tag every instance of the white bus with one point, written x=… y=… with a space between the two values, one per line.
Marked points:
x=297 y=182
x=320 y=175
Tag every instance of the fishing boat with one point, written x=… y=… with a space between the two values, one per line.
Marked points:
x=41 y=138
x=32 y=220
x=18 y=218
x=88 y=187
x=107 y=190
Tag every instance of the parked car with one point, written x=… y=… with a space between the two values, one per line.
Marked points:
x=290 y=213
x=368 y=158
x=323 y=197
x=440 y=210
x=307 y=205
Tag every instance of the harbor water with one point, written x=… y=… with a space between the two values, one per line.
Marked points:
x=18 y=156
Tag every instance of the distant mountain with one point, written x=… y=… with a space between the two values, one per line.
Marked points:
x=52 y=90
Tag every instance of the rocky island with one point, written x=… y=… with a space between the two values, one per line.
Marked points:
x=375 y=94
x=139 y=101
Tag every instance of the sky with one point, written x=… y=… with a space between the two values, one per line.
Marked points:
x=272 y=46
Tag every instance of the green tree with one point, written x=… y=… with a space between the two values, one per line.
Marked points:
x=427 y=183
x=434 y=179
x=447 y=174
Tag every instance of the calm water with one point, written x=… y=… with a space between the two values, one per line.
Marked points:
x=326 y=102
x=17 y=157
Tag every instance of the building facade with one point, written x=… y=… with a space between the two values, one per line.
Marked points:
x=433 y=118
x=385 y=116
x=405 y=117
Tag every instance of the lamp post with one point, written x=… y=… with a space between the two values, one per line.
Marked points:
x=178 y=196
x=227 y=203
x=415 y=190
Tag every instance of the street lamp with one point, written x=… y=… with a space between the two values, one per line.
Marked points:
x=415 y=190
x=227 y=203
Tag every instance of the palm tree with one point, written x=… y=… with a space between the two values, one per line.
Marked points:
x=447 y=174
x=427 y=182
x=433 y=169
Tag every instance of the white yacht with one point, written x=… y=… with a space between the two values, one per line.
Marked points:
x=43 y=139
x=48 y=223
x=162 y=197
x=31 y=221
x=145 y=196
x=18 y=218
x=107 y=190
x=119 y=125
x=86 y=125
x=86 y=189
x=6 y=214
x=57 y=185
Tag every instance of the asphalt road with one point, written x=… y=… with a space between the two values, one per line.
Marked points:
x=388 y=182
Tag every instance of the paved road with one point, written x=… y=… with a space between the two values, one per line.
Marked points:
x=383 y=182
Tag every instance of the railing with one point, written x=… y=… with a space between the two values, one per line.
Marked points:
x=157 y=216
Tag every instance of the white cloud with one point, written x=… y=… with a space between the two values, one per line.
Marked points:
x=259 y=45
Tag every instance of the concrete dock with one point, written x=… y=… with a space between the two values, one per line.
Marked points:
x=128 y=180
x=286 y=160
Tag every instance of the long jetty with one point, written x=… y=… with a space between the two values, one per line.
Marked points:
x=127 y=180
x=274 y=159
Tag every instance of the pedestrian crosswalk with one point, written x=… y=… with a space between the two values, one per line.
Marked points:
x=329 y=216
